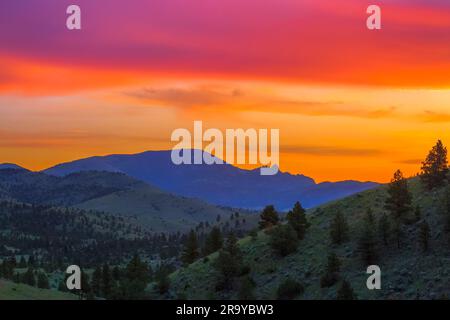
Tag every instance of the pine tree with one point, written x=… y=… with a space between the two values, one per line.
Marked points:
x=367 y=242
x=190 y=251
x=339 y=229
x=397 y=230
x=213 y=242
x=434 y=168
x=28 y=277
x=331 y=275
x=229 y=262
x=384 y=228
x=269 y=217
x=424 y=235
x=96 y=281
x=345 y=292
x=137 y=276
x=163 y=283
x=297 y=219
x=284 y=240
x=106 y=281
x=42 y=281
x=398 y=203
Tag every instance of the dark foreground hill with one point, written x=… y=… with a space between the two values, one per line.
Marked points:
x=406 y=272
x=223 y=185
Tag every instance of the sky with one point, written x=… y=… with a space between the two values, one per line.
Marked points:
x=350 y=103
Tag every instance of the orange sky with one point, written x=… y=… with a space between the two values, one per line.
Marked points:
x=350 y=103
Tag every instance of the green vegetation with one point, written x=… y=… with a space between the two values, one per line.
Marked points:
x=376 y=226
x=18 y=291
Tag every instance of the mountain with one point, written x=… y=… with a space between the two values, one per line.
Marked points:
x=111 y=192
x=10 y=166
x=406 y=272
x=223 y=185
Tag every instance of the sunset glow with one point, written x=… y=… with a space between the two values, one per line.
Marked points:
x=350 y=103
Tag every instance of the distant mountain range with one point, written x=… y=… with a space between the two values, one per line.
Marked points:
x=223 y=185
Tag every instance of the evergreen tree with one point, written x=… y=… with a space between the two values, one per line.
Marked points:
x=398 y=233
x=424 y=235
x=434 y=168
x=367 y=241
x=137 y=277
x=339 y=229
x=229 y=263
x=96 y=281
x=163 y=283
x=106 y=284
x=345 y=292
x=331 y=275
x=190 y=251
x=398 y=202
x=384 y=228
x=42 y=281
x=28 y=277
x=284 y=240
x=214 y=241
x=269 y=217
x=297 y=219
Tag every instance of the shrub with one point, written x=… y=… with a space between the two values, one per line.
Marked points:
x=289 y=289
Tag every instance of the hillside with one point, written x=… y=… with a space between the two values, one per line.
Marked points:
x=407 y=272
x=18 y=291
x=158 y=210
x=110 y=192
x=223 y=185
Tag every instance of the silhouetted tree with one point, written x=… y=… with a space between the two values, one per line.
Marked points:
x=434 y=168
x=398 y=202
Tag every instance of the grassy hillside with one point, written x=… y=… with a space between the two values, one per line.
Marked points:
x=13 y=291
x=407 y=273
x=158 y=210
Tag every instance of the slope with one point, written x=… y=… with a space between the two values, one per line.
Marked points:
x=17 y=291
x=407 y=273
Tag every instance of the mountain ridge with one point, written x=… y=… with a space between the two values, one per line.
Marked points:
x=223 y=184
